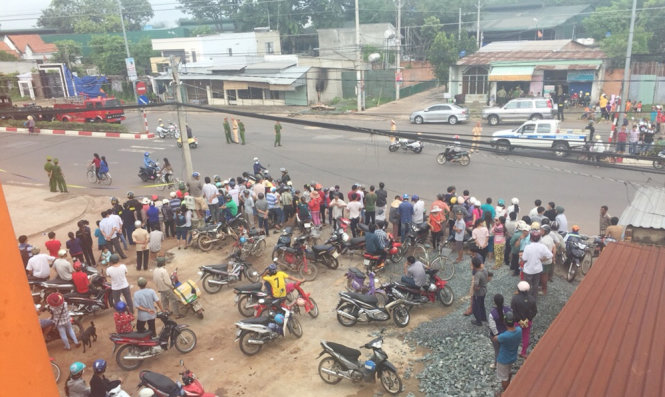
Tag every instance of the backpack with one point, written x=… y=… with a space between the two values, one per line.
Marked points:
x=25 y=254
x=167 y=211
x=180 y=220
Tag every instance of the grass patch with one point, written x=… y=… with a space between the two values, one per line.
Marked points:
x=59 y=125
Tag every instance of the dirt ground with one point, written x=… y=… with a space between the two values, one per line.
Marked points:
x=286 y=367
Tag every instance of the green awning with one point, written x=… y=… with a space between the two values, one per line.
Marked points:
x=511 y=73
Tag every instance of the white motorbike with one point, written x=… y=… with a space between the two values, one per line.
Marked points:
x=168 y=131
x=406 y=145
x=254 y=332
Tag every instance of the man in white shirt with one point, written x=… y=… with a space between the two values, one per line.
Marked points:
x=39 y=265
x=110 y=226
x=532 y=261
x=210 y=195
x=534 y=210
x=548 y=265
x=418 y=210
x=63 y=267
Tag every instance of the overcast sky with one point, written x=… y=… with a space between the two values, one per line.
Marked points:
x=23 y=14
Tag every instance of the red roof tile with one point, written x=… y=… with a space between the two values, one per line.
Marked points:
x=5 y=48
x=608 y=340
x=569 y=51
x=34 y=41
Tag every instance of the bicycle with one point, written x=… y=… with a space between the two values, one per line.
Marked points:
x=104 y=179
x=438 y=260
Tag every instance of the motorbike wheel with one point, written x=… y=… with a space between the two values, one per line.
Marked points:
x=128 y=350
x=465 y=160
x=310 y=274
x=572 y=271
x=243 y=306
x=446 y=295
x=350 y=309
x=56 y=371
x=92 y=177
x=204 y=241
x=249 y=349
x=330 y=261
x=401 y=315
x=658 y=164
x=161 y=183
x=185 y=341
x=294 y=326
x=161 y=134
x=441 y=159
x=211 y=288
x=179 y=144
x=393 y=148
x=182 y=309
x=78 y=329
x=314 y=311
x=330 y=364
x=259 y=248
x=418 y=150
x=106 y=179
x=252 y=275
x=391 y=381
x=587 y=261
x=177 y=134
x=396 y=258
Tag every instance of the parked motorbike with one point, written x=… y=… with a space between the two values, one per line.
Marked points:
x=343 y=244
x=193 y=142
x=42 y=289
x=101 y=300
x=209 y=236
x=406 y=145
x=251 y=243
x=52 y=333
x=170 y=130
x=295 y=259
x=299 y=298
x=114 y=389
x=247 y=298
x=253 y=333
x=134 y=347
x=355 y=282
x=436 y=289
x=343 y=362
x=214 y=277
x=660 y=161
x=451 y=155
x=188 y=293
x=578 y=255
x=353 y=307
x=165 y=387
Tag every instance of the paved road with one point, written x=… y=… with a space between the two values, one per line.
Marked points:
x=329 y=157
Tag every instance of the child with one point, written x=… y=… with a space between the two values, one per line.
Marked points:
x=101 y=241
x=123 y=319
x=105 y=257
x=499 y=240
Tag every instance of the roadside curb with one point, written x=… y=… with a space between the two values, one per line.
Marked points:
x=92 y=134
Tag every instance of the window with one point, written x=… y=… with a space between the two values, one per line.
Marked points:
x=474 y=81
x=526 y=104
x=193 y=56
x=269 y=48
x=544 y=128
x=512 y=105
x=528 y=129
x=541 y=104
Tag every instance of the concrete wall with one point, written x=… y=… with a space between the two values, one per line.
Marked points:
x=17 y=67
x=341 y=43
x=416 y=72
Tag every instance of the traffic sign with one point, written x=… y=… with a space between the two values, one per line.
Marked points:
x=131 y=69
x=143 y=100
x=140 y=88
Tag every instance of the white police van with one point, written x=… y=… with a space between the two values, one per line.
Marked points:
x=539 y=134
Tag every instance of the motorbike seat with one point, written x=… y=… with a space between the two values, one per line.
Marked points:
x=291 y=250
x=357 y=273
x=217 y=268
x=321 y=247
x=431 y=272
x=133 y=335
x=254 y=232
x=369 y=299
x=357 y=240
x=255 y=287
x=161 y=382
x=363 y=227
x=59 y=281
x=348 y=352
x=256 y=320
x=369 y=256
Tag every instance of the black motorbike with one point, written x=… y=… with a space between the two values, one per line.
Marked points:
x=450 y=155
x=660 y=161
x=247 y=298
x=214 y=277
x=353 y=307
x=578 y=255
x=254 y=332
x=343 y=362
x=340 y=239
x=99 y=297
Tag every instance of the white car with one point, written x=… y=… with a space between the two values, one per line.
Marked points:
x=538 y=134
x=442 y=113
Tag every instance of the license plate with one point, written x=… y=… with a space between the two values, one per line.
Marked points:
x=366 y=262
x=237 y=298
x=308 y=225
x=335 y=254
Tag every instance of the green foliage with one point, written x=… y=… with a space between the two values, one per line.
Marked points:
x=141 y=52
x=68 y=51
x=202 y=31
x=445 y=50
x=7 y=57
x=215 y=11
x=59 y=125
x=94 y=16
x=108 y=54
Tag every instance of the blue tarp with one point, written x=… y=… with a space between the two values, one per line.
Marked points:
x=90 y=86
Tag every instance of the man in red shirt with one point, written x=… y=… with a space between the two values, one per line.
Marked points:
x=53 y=245
x=80 y=279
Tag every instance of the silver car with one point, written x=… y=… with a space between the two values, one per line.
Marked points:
x=520 y=109
x=442 y=113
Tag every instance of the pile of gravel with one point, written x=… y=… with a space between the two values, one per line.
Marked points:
x=458 y=363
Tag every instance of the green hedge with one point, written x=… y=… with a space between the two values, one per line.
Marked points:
x=59 y=125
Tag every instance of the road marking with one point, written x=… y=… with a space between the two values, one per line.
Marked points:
x=312 y=128
x=146 y=147
x=131 y=149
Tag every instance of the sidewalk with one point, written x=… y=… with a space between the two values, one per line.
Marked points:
x=93 y=134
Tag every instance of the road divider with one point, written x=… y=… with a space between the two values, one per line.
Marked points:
x=90 y=134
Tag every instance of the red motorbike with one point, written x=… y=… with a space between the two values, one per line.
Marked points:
x=295 y=298
x=134 y=347
x=98 y=299
x=295 y=258
x=375 y=263
x=436 y=289
x=165 y=387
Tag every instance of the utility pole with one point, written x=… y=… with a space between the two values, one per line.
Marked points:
x=478 y=25
x=398 y=36
x=124 y=35
x=359 y=60
x=182 y=124
x=459 y=25
x=626 y=68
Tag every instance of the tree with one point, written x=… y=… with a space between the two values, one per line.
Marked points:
x=94 y=16
x=108 y=54
x=215 y=11
x=445 y=51
x=141 y=52
x=68 y=51
x=7 y=57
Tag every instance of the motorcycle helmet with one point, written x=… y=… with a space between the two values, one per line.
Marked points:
x=62 y=253
x=218 y=185
x=55 y=299
x=99 y=365
x=114 y=200
x=77 y=265
x=501 y=203
x=130 y=195
x=523 y=286
x=154 y=197
x=145 y=201
x=137 y=224
x=146 y=392
x=575 y=228
x=256 y=159
x=415 y=197
x=272 y=269
x=146 y=154
x=535 y=225
x=555 y=225
x=76 y=368
x=142 y=282
x=165 y=202
x=545 y=229
x=120 y=306
x=282 y=169
x=405 y=197
x=515 y=201
x=279 y=319
x=195 y=174
x=232 y=182
x=243 y=240
x=172 y=195
x=216 y=178
x=535 y=236
x=394 y=251
x=559 y=209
